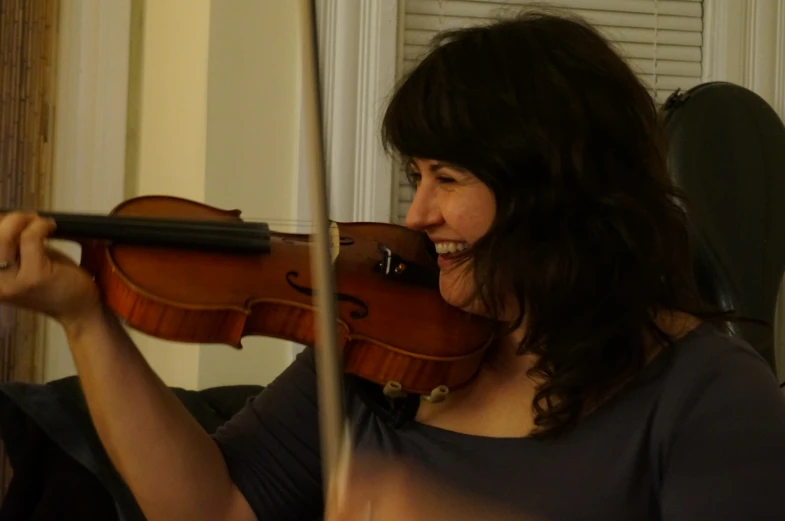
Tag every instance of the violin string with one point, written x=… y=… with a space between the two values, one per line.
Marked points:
x=97 y=216
x=147 y=227
x=250 y=221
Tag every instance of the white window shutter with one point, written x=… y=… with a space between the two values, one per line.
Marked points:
x=661 y=39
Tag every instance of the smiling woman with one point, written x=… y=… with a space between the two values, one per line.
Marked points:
x=563 y=198
x=608 y=394
x=538 y=165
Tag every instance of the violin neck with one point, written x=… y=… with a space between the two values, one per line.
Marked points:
x=197 y=234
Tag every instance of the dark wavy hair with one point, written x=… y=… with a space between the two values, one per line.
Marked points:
x=590 y=232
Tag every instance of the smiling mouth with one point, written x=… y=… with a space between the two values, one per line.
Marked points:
x=444 y=248
x=450 y=256
x=447 y=260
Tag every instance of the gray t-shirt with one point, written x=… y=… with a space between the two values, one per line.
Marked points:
x=700 y=436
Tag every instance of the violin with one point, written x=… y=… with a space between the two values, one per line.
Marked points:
x=184 y=271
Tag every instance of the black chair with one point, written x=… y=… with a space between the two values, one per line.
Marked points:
x=60 y=468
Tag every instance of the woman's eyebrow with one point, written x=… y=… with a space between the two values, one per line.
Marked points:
x=438 y=165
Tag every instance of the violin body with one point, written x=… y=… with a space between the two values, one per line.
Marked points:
x=184 y=271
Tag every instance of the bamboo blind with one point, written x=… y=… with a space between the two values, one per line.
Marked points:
x=28 y=30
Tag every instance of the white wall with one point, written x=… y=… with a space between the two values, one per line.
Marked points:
x=213 y=114
x=219 y=123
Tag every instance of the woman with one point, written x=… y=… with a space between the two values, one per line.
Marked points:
x=540 y=175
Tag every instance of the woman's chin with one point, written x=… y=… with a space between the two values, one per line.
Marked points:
x=463 y=302
x=455 y=287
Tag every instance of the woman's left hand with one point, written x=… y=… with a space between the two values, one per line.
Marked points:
x=380 y=489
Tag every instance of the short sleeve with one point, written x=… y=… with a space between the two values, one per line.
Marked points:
x=726 y=459
x=271 y=446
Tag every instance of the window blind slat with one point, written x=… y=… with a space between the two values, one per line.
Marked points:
x=689 y=53
x=609 y=15
x=667 y=81
x=662 y=40
x=640 y=65
x=670 y=83
x=693 y=37
x=422 y=39
x=668 y=7
x=638 y=35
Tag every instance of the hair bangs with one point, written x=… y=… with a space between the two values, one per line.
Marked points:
x=429 y=116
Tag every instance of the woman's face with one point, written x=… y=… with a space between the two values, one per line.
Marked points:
x=454 y=209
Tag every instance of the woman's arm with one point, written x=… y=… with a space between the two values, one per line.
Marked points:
x=172 y=466
x=169 y=462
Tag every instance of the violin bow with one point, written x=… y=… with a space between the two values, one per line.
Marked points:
x=333 y=428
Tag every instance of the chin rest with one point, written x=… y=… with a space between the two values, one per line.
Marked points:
x=727 y=153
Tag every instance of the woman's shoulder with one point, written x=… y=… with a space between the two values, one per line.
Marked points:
x=707 y=356
x=709 y=379
x=719 y=425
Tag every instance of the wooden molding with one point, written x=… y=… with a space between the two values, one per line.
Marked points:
x=92 y=85
x=357 y=47
x=745 y=44
x=90 y=128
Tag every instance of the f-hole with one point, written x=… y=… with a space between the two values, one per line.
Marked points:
x=359 y=314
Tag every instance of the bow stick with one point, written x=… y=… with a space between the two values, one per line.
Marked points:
x=329 y=367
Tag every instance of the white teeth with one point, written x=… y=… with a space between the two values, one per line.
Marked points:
x=450 y=247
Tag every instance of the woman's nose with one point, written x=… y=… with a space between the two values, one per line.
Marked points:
x=424 y=211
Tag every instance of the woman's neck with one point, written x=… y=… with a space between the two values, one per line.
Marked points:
x=505 y=360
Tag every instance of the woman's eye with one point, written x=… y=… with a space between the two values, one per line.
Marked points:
x=415 y=179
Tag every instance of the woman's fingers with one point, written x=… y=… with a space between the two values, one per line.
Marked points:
x=383 y=489
x=37 y=278
x=33 y=258
x=22 y=249
x=11 y=227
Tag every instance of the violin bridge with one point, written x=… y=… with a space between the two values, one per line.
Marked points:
x=396 y=266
